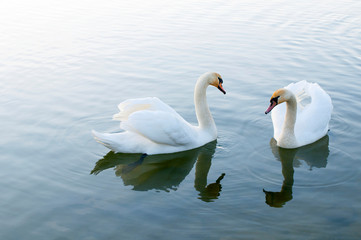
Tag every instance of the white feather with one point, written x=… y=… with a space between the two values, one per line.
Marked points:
x=151 y=126
x=314 y=108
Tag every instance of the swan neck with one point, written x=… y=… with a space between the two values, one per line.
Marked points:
x=291 y=114
x=288 y=138
x=204 y=116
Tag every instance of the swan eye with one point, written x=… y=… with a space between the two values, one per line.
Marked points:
x=275 y=99
x=220 y=80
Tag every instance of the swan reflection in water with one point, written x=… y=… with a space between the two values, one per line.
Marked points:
x=315 y=155
x=164 y=171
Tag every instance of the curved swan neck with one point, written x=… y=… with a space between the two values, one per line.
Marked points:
x=204 y=116
x=288 y=138
x=291 y=114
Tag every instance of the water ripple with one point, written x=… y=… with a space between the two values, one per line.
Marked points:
x=309 y=172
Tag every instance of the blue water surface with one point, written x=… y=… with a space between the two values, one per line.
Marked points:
x=65 y=66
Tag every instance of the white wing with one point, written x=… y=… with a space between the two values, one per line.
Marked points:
x=314 y=109
x=160 y=127
x=130 y=106
x=312 y=120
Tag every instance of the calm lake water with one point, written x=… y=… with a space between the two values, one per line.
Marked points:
x=65 y=66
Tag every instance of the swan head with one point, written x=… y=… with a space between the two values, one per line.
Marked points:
x=215 y=80
x=279 y=96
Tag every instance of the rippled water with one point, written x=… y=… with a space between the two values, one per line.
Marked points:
x=64 y=67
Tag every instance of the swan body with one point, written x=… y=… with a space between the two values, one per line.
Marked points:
x=150 y=126
x=304 y=118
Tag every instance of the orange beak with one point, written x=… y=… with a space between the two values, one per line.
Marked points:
x=220 y=87
x=273 y=103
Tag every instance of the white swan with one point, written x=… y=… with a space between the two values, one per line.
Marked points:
x=305 y=117
x=152 y=127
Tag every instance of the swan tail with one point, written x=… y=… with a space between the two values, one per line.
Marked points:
x=121 y=142
x=102 y=138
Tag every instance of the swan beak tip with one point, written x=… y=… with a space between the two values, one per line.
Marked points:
x=220 y=87
x=271 y=106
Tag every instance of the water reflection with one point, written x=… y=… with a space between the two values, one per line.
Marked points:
x=164 y=171
x=315 y=155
